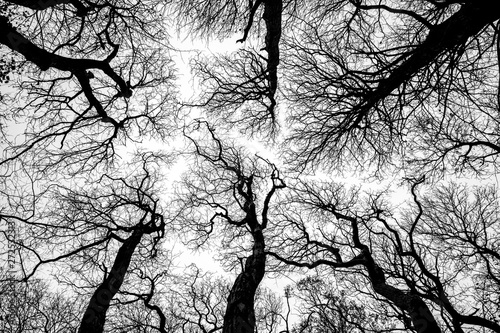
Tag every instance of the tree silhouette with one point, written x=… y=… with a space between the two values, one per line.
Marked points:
x=237 y=191
x=405 y=93
x=365 y=77
x=248 y=91
x=31 y=307
x=398 y=256
x=91 y=75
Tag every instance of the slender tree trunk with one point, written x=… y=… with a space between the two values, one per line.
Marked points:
x=95 y=314
x=240 y=315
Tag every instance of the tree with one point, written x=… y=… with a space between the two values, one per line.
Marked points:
x=384 y=81
x=395 y=252
x=246 y=93
x=459 y=223
x=31 y=307
x=380 y=88
x=97 y=232
x=237 y=192
x=87 y=69
x=325 y=309
x=78 y=64
x=331 y=201
x=91 y=78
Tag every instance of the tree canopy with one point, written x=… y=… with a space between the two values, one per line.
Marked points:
x=338 y=168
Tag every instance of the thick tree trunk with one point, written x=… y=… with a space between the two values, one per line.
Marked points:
x=272 y=18
x=240 y=315
x=455 y=31
x=45 y=4
x=95 y=314
x=420 y=314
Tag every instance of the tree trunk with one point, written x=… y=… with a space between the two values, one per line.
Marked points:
x=455 y=31
x=420 y=314
x=272 y=18
x=95 y=314
x=240 y=315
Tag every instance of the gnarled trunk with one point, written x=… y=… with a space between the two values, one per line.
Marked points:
x=420 y=314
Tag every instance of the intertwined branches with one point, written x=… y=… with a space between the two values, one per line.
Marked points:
x=365 y=79
x=93 y=75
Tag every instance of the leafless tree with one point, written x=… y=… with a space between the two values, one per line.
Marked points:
x=405 y=86
x=372 y=82
x=459 y=223
x=32 y=307
x=236 y=192
x=365 y=237
x=248 y=90
x=92 y=74
x=94 y=233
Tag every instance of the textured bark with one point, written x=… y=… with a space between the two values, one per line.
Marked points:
x=95 y=314
x=240 y=315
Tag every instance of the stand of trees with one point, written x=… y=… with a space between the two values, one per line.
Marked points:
x=400 y=96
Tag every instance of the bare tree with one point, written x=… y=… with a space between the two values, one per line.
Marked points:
x=460 y=224
x=32 y=307
x=236 y=191
x=380 y=85
x=248 y=93
x=397 y=252
x=95 y=232
x=366 y=79
x=91 y=76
